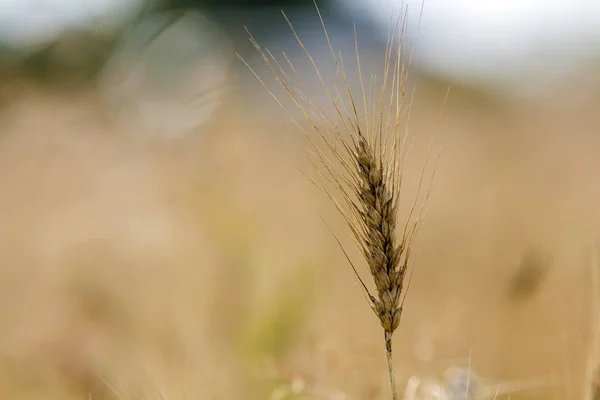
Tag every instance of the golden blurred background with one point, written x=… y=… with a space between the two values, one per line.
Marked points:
x=158 y=238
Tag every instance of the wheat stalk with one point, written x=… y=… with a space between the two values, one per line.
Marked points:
x=592 y=386
x=359 y=164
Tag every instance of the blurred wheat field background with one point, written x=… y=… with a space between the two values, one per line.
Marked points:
x=138 y=266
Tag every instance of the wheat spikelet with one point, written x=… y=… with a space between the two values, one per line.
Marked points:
x=359 y=164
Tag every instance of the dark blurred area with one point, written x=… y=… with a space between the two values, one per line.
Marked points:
x=186 y=4
x=77 y=55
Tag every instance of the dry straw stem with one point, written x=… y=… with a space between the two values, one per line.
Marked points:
x=592 y=378
x=359 y=156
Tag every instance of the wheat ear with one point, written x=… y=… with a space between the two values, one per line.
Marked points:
x=359 y=164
